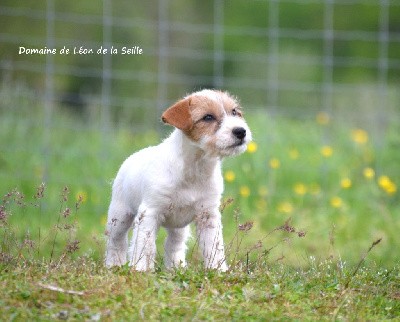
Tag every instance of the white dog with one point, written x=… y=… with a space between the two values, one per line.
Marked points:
x=175 y=183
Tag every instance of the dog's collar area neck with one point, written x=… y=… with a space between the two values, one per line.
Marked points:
x=194 y=154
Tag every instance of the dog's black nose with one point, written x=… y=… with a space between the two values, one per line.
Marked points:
x=239 y=132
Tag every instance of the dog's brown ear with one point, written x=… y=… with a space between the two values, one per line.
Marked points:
x=178 y=115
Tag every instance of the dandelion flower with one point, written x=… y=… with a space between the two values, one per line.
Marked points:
x=81 y=196
x=336 y=202
x=384 y=181
x=387 y=185
x=274 y=163
x=392 y=189
x=323 y=118
x=252 y=147
x=285 y=207
x=345 y=183
x=326 y=151
x=300 y=189
x=359 y=136
x=244 y=191
x=369 y=173
x=293 y=154
x=230 y=176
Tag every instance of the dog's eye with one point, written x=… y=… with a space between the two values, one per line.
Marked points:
x=208 y=118
x=235 y=112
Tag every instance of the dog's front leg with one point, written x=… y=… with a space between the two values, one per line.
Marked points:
x=209 y=234
x=142 y=251
x=175 y=247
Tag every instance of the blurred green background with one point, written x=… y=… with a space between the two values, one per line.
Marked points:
x=318 y=81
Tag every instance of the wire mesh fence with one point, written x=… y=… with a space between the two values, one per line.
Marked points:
x=290 y=58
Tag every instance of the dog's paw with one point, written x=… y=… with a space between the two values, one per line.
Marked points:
x=223 y=267
x=115 y=259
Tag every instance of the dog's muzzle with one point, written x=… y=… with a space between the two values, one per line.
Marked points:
x=239 y=132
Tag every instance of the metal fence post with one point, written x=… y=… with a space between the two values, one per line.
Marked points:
x=49 y=90
x=106 y=75
x=218 y=77
x=162 y=78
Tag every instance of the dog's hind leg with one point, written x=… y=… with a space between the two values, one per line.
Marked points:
x=119 y=222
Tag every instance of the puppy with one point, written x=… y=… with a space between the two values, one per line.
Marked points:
x=175 y=183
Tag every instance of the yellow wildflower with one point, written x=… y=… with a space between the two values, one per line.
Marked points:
x=82 y=196
x=369 y=173
x=326 y=151
x=252 y=147
x=323 y=118
x=294 y=154
x=387 y=184
x=392 y=189
x=244 y=191
x=285 y=207
x=274 y=163
x=300 y=189
x=359 y=136
x=230 y=176
x=336 y=202
x=384 y=181
x=345 y=183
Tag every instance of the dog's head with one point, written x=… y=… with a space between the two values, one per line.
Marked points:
x=213 y=120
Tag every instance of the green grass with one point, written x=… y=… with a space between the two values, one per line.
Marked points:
x=310 y=267
x=82 y=290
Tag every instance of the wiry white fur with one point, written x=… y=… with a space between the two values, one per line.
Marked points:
x=210 y=94
x=171 y=185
